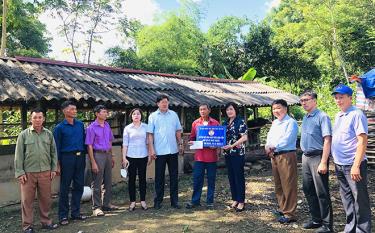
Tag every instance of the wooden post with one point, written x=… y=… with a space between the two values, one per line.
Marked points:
x=255 y=112
x=245 y=116
x=56 y=116
x=220 y=118
x=24 y=116
x=182 y=117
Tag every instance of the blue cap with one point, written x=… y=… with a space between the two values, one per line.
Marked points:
x=342 y=89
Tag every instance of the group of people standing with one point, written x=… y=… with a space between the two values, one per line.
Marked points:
x=346 y=142
x=41 y=155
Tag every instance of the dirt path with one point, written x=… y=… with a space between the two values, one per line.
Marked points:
x=257 y=218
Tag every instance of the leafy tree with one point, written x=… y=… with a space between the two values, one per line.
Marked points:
x=26 y=34
x=173 y=46
x=221 y=54
x=86 y=19
x=334 y=34
x=126 y=57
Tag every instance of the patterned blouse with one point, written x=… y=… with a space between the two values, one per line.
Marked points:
x=235 y=130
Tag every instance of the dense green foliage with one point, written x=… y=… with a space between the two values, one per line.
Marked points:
x=301 y=44
x=27 y=36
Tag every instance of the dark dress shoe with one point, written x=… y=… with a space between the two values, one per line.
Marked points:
x=79 y=217
x=191 y=205
x=277 y=213
x=29 y=230
x=323 y=229
x=210 y=206
x=51 y=226
x=284 y=220
x=240 y=210
x=176 y=206
x=157 y=206
x=311 y=225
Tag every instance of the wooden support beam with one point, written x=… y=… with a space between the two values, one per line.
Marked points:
x=182 y=118
x=24 y=116
x=220 y=117
x=245 y=116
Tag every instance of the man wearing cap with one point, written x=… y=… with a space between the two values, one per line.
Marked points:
x=316 y=138
x=70 y=143
x=348 y=149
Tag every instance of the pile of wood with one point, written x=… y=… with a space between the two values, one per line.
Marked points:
x=371 y=137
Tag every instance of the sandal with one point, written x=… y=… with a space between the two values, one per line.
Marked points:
x=64 y=221
x=98 y=213
x=234 y=205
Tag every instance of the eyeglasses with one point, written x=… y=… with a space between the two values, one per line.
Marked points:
x=304 y=100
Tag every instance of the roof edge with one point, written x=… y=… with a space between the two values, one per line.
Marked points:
x=119 y=70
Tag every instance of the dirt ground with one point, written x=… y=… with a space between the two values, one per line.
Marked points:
x=257 y=217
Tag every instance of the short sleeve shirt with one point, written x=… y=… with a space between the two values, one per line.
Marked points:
x=235 y=130
x=100 y=137
x=135 y=138
x=348 y=125
x=163 y=125
x=315 y=126
x=207 y=155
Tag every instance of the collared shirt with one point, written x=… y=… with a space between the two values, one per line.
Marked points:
x=69 y=137
x=35 y=152
x=315 y=126
x=283 y=134
x=100 y=137
x=207 y=155
x=348 y=125
x=163 y=125
x=235 y=130
x=135 y=138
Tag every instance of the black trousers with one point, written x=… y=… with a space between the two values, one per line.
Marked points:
x=137 y=166
x=316 y=189
x=160 y=163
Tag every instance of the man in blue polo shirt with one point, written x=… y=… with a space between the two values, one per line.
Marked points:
x=164 y=135
x=70 y=143
x=348 y=149
x=316 y=135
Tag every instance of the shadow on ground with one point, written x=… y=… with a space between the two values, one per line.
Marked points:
x=257 y=217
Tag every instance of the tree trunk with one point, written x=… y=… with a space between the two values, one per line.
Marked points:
x=4 y=30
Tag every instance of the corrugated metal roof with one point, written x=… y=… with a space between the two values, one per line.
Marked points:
x=30 y=79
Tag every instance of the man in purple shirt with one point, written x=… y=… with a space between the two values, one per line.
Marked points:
x=99 y=147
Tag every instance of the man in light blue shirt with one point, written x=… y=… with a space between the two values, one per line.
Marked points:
x=316 y=145
x=348 y=149
x=281 y=148
x=164 y=135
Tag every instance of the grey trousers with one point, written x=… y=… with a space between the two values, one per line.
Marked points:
x=104 y=176
x=355 y=198
x=316 y=190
